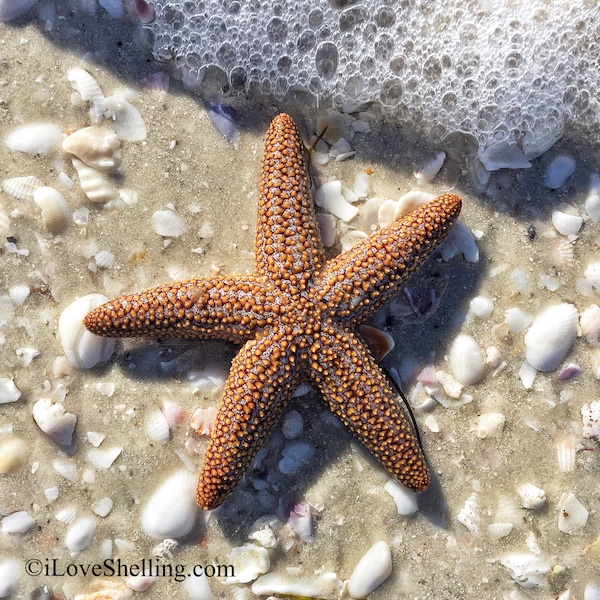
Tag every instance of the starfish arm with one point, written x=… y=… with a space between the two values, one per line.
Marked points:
x=356 y=390
x=261 y=381
x=230 y=308
x=288 y=245
x=356 y=283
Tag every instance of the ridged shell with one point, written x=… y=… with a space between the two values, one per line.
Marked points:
x=466 y=360
x=66 y=515
x=564 y=253
x=551 y=336
x=168 y=223
x=95 y=185
x=98 y=147
x=590 y=324
x=66 y=468
x=499 y=530
x=104 y=259
x=469 y=514
x=565 y=454
x=56 y=213
x=80 y=534
x=90 y=91
x=21 y=188
x=157 y=427
x=371 y=571
x=35 y=138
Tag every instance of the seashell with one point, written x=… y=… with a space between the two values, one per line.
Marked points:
x=432 y=424
x=103 y=458
x=592 y=274
x=499 y=530
x=27 y=355
x=551 y=336
x=292 y=425
x=565 y=223
x=19 y=293
x=341 y=150
x=65 y=468
x=411 y=201
x=429 y=170
x=481 y=307
x=295 y=456
x=466 y=360
x=157 y=427
x=460 y=240
x=451 y=386
x=56 y=213
x=264 y=531
x=361 y=184
x=532 y=497
x=405 y=499
x=98 y=147
x=490 y=425
x=528 y=570
x=333 y=125
x=104 y=259
x=9 y=392
x=13 y=455
x=352 y=237
x=371 y=571
x=66 y=515
x=571 y=513
x=592 y=203
x=51 y=493
x=469 y=514
x=171 y=510
x=10 y=10
x=95 y=438
x=326 y=585
x=564 y=253
x=10 y=570
x=113 y=7
x=83 y=349
x=168 y=223
x=80 y=534
x=565 y=454
x=198 y=587
x=140 y=583
x=248 y=562
x=4 y=224
x=503 y=155
x=203 y=420
x=35 y=138
x=590 y=415
x=225 y=120
x=327 y=228
x=127 y=120
x=527 y=375
x=300 y=520
x=89 y=90
x=591 y=591
x=330 y=198
x=589 y=320
x=52 y=419
x=17 y=522
x=174 y=414
x=95 y=185
x=103 y=507
x=569 y=371
x=105 y=589
x=165 y=549
x=517 y=320
x=21 y=188
x=558 y=171
x=386 y=212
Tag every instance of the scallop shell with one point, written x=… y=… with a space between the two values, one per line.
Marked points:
x=95 y=185
x=90 y=91
x=517 y=320
x=249 y=561
x=10 y=573
x=9 y=10
x=35 y=138
x=571 y=513
x=499 y=530
x=589 y=321
x=98 y=147
x=168 y=223
x=551 y=336
x=466 y=360
x=66 y=515
x=157 y=427
x=564 y=253
x=80 y=534
x=19 y=293
x=171 y=510
x=21 y=188
x=83 y=349
x=104 y=259
x=52 y=419
x=371 y=571
x=56 y=213
x=405 y=499
x=565 y=454
x=17 y=522
x=481 y=306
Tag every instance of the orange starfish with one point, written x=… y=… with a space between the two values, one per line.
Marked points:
x=297 y=316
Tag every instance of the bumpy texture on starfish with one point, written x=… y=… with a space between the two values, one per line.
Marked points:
x=297 y=316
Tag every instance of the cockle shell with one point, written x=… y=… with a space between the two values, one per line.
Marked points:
x=565 y=454
x=98 y=147
x=55 y=209
x=21 y=188
x=466 y=360
x=35 y=138
x=95 y=185
x=66 y=515
x=168 y=223
x=157 y=427
x=499 y=530
x=590 y=324
x=90 y=91
x=371 y=571
x=551 y=336
x=52 y=419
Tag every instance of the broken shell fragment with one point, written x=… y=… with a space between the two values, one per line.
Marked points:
x=371 y=571
x=52 y=419
x=571 y=513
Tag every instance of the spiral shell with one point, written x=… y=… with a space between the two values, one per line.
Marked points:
x=95 y=185
x=98 y=147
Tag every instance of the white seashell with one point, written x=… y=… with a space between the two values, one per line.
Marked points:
x=264 y=529
x=528 y=570
x=66 y=468
x=4 y=224
x=330 y=189
x=21 y=188
x=10 y=571
x=351 y=238
x=490 y=425
x=592 y=274
x=508 y=512
x=113 y=7
x=95 y=185
x=165 y=549
x=80 y=534
x=469 y=514
x=551 y=336
x=466 y=360
x=301 y=521
x=428 y=171
x=481 y=307
x=103 y=506
x=19 y=293
x=571 y=513
x=140 y=583
x=503 y=155
x=249 y=561
x=592 y=206
x=292 y=426
x=460 y=240
x=171 y=510
x=558 y=171
x=52 y=419
x=203 y=420
x=361 y=185
x=517 y=320
x=564 y=253
x=405 y=499
x=168 y=223
x=157 y=427
x=27 y=355
x=128 y=122
x=9 y=10
x=386 y=213
x=565 y=454
x=83 y=349
x=589 y=320
x=17 y=522
x=492 y=357
x=103 y=458
x=337 y=205
x=90 y=91
x=66 y=515
x=98 y=147
x=326 y=585
x=95 y=438
x=35 y=138
x=565 y=223
x=590 y=415
x=532 y=497
x=341 y=148
x=295 y=456
x=198 y=587
x=327 y=228
x=451 y=386
x=499 y=530
x=527 y=375
x=13 y=455
x=9 y=392
x=371 y=571
x=104 y=259
x=410 y=202
x=591 y=591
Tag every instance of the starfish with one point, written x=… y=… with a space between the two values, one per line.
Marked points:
x=297 y=316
